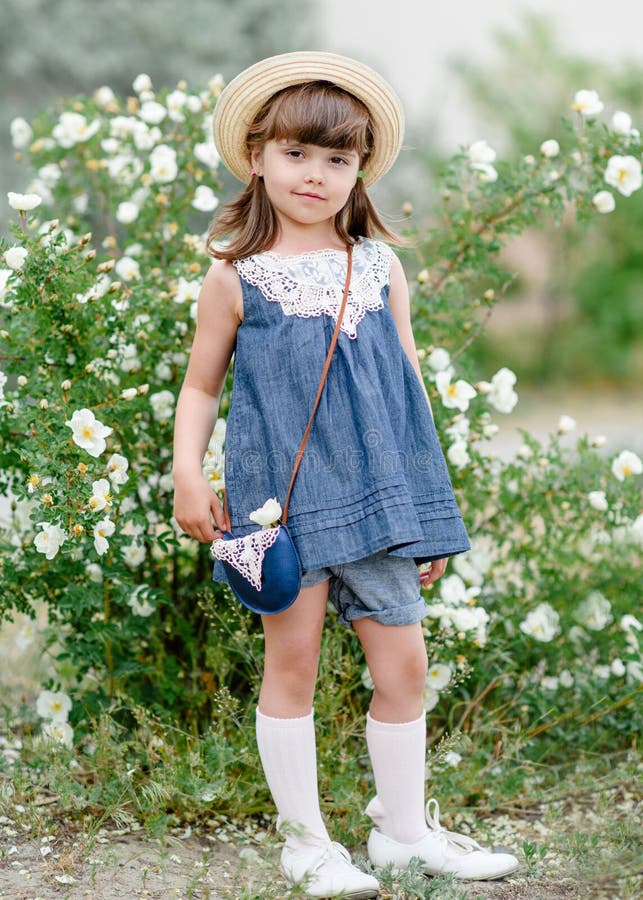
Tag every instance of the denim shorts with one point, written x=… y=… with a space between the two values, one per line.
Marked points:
x=386 y=588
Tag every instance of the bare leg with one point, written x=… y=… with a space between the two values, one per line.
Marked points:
x=285 y=718
x=396 y=727
x=292 y=641
x=397 y=660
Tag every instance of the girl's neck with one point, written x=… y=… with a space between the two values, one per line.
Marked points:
x=292 y=241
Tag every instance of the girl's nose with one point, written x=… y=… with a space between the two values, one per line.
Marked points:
x=315 y=175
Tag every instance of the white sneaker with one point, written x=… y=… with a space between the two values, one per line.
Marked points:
x=442 y=852
x=324 y=869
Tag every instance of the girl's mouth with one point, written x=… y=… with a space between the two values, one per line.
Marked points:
x=309 y=196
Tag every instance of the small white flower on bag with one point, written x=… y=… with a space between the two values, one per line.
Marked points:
x=267 y=515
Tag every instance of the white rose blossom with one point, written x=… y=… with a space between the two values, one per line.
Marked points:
x=101 y=497
x=474 y=565
x=624 y=173
x=499 y=391
x=117 y=466
x=162 y=405
x=127 y=212
x=454 y=592
x=481 y=155
x=21 y=133
x=565 y=425
x=139 y=602
x=186 y=290
x=268 y=514
x=15 y=257
x=439 y=359
x=176 y=101
x=207 y=154
x=626 y=464
x=438 y=676
x=104 y=529
x=104 y=95
x=597 y=500
x=621 y=122
x=430 y=698
x=604 y=201
x=60 y=733
x=594 y=612
x=23 y=202
x=26 y=635
x=50 y=539
x=550 y=148
x=587 y=103
x=542 y=623
x=134 y=554
x=127 y=268
x=163 y=165
x=142 y=83
x=54 y=705
x=458 y=455
x=205 y=199
x=88 y=432
x=72 y=128
x=152 y=112
x=455 y=395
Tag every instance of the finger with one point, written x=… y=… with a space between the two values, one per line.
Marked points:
x=217 y=512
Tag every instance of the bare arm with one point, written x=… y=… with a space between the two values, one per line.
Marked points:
x=218 y=317
x=400 y=306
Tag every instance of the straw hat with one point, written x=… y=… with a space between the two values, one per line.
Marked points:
x=244 y=96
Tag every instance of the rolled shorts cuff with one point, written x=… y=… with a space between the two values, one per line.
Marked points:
x=408 y=614
x=383 y=587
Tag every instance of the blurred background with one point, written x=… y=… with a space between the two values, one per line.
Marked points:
x=505 y=71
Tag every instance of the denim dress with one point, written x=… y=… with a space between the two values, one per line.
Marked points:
x=373 y=475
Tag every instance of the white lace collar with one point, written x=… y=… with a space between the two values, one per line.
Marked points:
x=312 y=284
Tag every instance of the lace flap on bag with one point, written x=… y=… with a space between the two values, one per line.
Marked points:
x=246 y=554
x=310 y=284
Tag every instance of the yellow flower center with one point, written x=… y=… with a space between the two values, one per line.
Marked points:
x=627 y=470
x=87 y=431
x=451 y=390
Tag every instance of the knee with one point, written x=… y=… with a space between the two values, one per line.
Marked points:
x=295 y=663
x=407 y=675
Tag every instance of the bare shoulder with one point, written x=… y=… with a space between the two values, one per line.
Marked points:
x=398 y=286
x=221 y=288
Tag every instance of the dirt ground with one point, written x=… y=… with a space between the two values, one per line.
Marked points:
x=120 y=864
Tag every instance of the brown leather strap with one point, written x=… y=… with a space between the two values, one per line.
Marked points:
x=331 y=349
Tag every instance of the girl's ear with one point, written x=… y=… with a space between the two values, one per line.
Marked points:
x=256 y=158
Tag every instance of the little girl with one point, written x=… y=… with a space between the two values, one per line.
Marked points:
x=307 y=132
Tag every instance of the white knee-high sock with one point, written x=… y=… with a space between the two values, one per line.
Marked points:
x=288 y=755
x=397 y=752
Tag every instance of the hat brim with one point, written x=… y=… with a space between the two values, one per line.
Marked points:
x=243 y=97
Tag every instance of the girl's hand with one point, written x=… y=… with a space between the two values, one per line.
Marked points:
x=430 y=572
x=195 y=505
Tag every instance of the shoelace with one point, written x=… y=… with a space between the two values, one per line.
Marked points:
x=331 y=851
x=462 y=841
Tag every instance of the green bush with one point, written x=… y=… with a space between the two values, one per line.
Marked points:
x=531 y=634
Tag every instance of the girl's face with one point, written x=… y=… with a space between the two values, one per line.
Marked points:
x=306 y=184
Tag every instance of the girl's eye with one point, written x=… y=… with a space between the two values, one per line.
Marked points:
x=296 y=154
x=340 y=160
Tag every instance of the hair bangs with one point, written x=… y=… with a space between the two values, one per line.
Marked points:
x=318 y=112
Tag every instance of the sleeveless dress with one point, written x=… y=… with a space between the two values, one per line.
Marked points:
x=373 y=475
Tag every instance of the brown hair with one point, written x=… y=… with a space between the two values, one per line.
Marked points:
x=317 y=112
